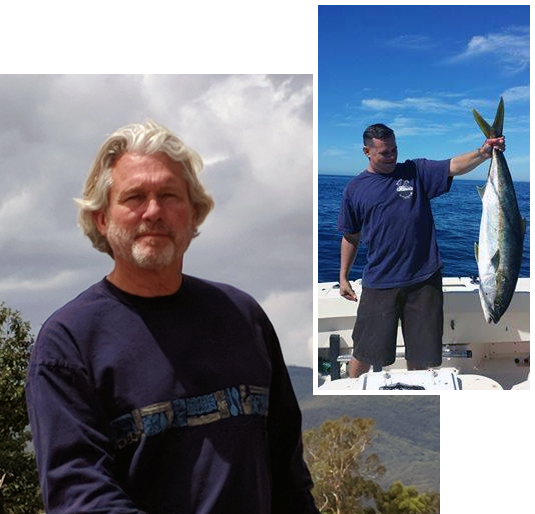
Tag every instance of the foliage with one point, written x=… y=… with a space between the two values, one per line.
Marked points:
x=19 y=493
x=345 y=473
x=342 y=475
x=400 y=499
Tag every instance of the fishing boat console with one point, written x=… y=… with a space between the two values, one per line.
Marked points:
x=476 y=354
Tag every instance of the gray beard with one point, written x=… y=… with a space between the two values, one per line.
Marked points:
x=141 y=254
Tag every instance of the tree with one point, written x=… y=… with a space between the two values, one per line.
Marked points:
x=342 y=474
x=400 y=499
x=19 y=492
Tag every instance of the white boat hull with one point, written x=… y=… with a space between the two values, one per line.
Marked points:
x=397 y=380
x=470 y=345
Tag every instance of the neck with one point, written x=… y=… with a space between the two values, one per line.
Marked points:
x=380 y=172
x=146 y=283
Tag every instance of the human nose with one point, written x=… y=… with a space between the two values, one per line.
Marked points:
x=152 y=210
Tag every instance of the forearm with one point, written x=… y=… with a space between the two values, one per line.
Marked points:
x=467 y=162
x=74 y=456
x=348 y=253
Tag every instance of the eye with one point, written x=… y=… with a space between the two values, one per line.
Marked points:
x=132 y=198
x=173 y=196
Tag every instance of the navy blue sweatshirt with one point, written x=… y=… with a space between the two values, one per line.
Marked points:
x=175 y=404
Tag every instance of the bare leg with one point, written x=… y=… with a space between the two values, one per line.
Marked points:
x=357 y=368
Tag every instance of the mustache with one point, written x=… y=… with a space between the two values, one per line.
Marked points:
x=154 y=228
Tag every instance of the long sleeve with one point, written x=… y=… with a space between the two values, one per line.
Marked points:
x=73 y=450
x=291 y=480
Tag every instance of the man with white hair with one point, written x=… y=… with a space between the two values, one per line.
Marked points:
x=154 y=391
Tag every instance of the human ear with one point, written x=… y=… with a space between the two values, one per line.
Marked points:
x=100 y=219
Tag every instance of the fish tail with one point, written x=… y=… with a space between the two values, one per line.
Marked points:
x=496 y=130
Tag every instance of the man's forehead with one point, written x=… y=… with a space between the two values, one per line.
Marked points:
x=381 y=143
x=131 y=164
x=141 y=172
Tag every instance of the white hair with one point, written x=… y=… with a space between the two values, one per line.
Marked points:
x=145 y=138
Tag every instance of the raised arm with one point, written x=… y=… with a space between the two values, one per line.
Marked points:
x=466 y=162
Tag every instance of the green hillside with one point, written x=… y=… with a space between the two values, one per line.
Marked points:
x=408 y=426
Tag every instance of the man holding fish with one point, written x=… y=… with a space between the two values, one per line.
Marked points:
x=387 y=206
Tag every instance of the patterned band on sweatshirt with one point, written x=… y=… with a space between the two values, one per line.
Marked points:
x=189 y=412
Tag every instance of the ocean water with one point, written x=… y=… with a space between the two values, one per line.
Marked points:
x=457 y=216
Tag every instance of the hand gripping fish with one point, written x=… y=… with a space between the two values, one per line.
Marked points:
x=501 y=233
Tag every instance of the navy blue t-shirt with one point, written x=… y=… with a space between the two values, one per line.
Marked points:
x=393 y=214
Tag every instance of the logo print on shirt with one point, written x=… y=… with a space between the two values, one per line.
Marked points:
x=404 y=189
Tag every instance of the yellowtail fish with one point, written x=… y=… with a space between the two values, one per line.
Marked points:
x=501 y=233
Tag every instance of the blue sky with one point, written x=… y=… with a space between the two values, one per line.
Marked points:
x=421 y=70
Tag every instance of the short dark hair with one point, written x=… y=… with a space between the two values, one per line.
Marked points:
x=377 y=131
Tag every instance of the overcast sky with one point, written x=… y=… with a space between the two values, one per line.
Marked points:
x=254 y=133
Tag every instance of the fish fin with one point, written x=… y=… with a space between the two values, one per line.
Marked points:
x=498 y=120
x=476 y=252
x=496 y=129
x=495 y=261
x=481 y=191
x=483 y=125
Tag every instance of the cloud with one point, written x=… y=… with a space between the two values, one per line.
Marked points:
x=445 y=115
x=516 y=94
x=508 y=49
x=411 y=42
x=42 y=284
x=376 y=104
x=333 y=152
x=477 y=103
x=440 y=102
x=404 y=126
x=424 y=104
x=297 y=343
x=254 y=133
